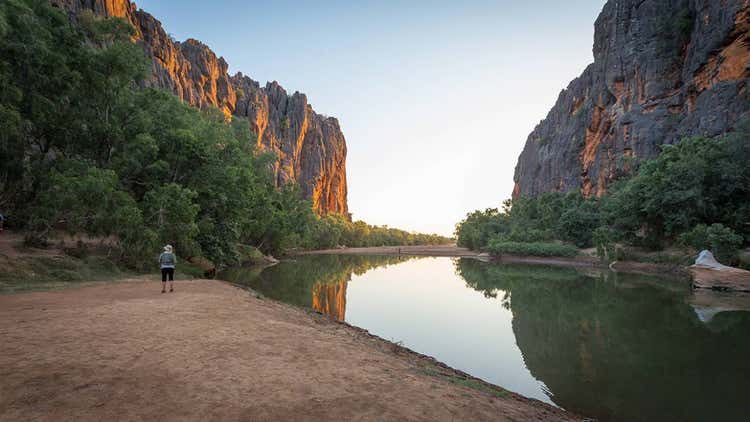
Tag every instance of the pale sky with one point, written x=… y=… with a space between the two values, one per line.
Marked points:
x=435 y=98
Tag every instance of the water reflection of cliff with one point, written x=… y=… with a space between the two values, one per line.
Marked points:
x=330 y=299
x=621 y=348
x=317 y=282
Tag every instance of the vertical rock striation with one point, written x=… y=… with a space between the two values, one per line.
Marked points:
x=330 y=299
x=310 y=148
x=663 y=70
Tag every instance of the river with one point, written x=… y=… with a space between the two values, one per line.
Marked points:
x=610 y=346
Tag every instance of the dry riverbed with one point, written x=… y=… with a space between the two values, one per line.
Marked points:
x=211 y=351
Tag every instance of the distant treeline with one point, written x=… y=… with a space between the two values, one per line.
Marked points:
x=695 y=194
x=85 y=150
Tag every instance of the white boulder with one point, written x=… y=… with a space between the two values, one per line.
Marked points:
x=706 y=260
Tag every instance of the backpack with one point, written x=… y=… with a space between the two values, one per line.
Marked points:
x=167 y=258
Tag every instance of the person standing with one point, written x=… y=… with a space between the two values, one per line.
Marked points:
x=167 y=261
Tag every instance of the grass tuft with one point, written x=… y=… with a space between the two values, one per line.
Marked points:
x=32 y=273
x=466 y=382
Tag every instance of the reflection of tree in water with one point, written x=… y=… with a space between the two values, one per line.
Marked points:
x=317 y=281
x=619 y=348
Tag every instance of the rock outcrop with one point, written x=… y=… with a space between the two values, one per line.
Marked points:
x=310 y=148
x=663 y=70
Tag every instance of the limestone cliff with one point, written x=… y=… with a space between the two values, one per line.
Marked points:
x=663 y=70
x=310 y=148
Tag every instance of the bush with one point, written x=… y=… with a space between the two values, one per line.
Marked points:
x=499 y=246
x=475 y=231
x=744 y=259
x=603 y=239
x=696 y=181
x=529 y=235
x=577 y=224
x=80 y=250
x=250 y=255
x=721 y=240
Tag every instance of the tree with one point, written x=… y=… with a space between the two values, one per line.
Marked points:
x=721 y=240
x=170 y=211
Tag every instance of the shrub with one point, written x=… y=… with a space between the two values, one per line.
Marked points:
x=577 y=224
x=499 y=246
x=744 y=259
x=529 y=235
x=603 y=239
x=721 y=240
x=475 y=231
x=80 y=250
x=250 y=255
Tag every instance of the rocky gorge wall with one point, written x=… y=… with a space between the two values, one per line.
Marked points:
x=663 y=70
x=310 y=148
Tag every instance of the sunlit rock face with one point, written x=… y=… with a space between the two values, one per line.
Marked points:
x=310 y=147
x=663 y=70
x=116 y=8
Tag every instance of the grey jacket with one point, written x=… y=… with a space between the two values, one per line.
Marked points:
x=167 y=260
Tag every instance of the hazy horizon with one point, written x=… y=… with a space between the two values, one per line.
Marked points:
x=435 y=99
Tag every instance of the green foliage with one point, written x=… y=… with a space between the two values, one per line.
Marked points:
x=499 y=247
x=475 y=231
x=28 y=273
x=87 y=151
x=81 y=198
x=699 y=181
x=743 y=257
x=466 y=382
x=331 y=231
x=250 y=255
x=603 y=239
x=518 y=234
x=170 y=212
x=578 y=221
x=567 y=217
x=721 y=240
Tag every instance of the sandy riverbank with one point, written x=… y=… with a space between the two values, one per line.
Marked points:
x=214 y=351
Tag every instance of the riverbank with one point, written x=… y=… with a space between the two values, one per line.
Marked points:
x=425 y=250
x=214 y=351
x=674 y=270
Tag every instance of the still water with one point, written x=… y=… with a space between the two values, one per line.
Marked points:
x=609 y=346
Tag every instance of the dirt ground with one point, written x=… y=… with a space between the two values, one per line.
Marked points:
x=211 y=351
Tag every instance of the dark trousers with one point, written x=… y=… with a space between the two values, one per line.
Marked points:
x=167 y=272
